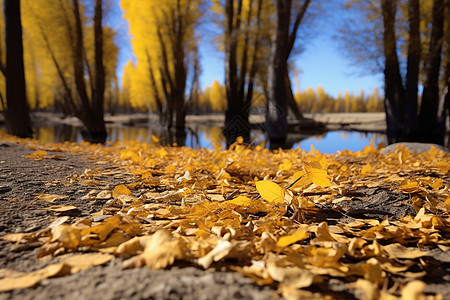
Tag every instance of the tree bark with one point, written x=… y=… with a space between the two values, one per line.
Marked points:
x=90 y=112
x=17 y=111
x=412 y=72
x=447 y=80
x=431 y=122
x=394 y=91
x=276 y=105
x=237 y=115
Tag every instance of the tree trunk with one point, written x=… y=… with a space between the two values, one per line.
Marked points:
x=394 y=91
x=447 y=78
x=431 y=121
x=236 y=117
x=99 y=91
x=412 y=72
x=276 y=105
x=293 y=108
x=17 y=111
x=90 y=112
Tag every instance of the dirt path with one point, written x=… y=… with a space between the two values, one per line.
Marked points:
x=22 y=179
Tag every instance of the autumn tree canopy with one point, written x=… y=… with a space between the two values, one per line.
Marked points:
x=165 y=75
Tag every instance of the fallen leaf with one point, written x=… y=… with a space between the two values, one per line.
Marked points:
x=400 y=251
x=61 y=208
x=270 y=191
x=299 y=235
x=67 y=235
x=161 y=250
x=33 y=278
x=82 y=262
x=37 y=154
x=50 y=197
x=221 y=250
x=291 y=276
x=120 y=190
x=414 y=290
x=316 y=175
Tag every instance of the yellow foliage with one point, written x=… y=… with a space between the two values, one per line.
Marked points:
x=293 y=239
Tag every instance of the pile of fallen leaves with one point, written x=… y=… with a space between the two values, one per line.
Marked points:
x=253 y=211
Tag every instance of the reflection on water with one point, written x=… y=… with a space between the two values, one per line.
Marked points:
x=201 y=136
x=334 y=141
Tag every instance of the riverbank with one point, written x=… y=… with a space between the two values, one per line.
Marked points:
x=366 y=122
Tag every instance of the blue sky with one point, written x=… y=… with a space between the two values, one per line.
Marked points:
x=323 y=61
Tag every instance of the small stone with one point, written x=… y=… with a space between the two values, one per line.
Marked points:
x=5 y=189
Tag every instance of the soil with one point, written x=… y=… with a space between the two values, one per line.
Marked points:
x=22 y=179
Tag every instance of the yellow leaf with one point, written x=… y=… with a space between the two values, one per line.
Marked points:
x=413 y=290
x=437 y=184
x=299 y=235
x=221 y=250
x=33 y=278
x=161 y=250
x=37 y=154
x=103 y=229
x=316 y=175
x=291 y=276
x=155 y=139
x=410 y=186
x=241 y=200
x=447 y=204
x=82 y=262
x=61 y=208
x=399 y=251
x=368 y=289
x=366 y=169
x=270 y=191
x=301 y=177
x=121 y=190
x=285 y=166
x=69 y=236
x=170 y=169
x=50 y=197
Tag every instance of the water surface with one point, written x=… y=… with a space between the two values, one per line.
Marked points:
x=201 y=136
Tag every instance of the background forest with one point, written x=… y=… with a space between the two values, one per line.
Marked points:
x=71 y=53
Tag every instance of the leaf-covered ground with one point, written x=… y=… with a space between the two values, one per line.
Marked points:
x=364 y=225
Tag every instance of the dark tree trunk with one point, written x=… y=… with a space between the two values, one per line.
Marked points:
x=276 y=105
x=412 y=72
x=431 y=121
x=447 y=82
x=90 y=112
x=293 y=108
x=99 y=91
x=17 y=111
x=237 y=115
x=279 y=91
x=394 y=91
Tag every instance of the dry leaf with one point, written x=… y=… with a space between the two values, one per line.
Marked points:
x=161 y=250
x=120 y=190
x=413 y=290
x=299 y=235
x=270 y=191
x=33 y=278
x=221 y=250
x=50 y=197
x=61 y=208
x=316 y=175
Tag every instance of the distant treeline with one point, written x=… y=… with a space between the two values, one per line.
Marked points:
x=213 y=100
